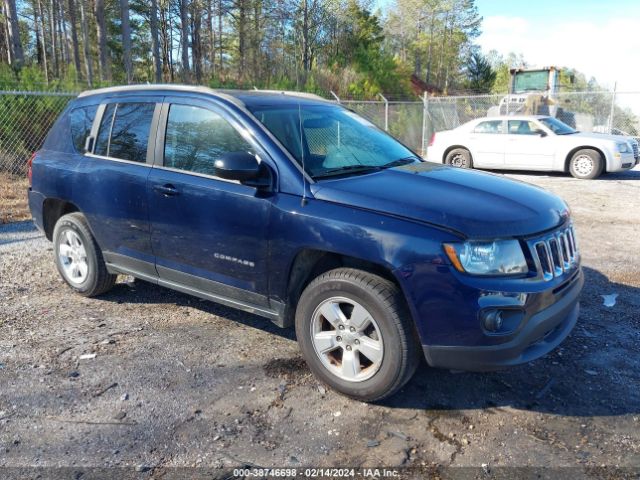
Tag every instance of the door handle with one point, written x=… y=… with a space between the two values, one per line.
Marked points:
x=167 y=190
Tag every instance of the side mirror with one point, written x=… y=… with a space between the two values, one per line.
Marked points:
x=239 y=166
x=542 y=133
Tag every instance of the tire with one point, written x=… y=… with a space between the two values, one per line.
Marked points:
x=79 y=258
x=370 y=324
x=459 y=157
x=586 y=164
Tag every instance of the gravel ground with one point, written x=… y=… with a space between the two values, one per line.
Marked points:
x=179 y=382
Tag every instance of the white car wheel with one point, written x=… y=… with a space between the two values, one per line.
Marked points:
x=459 y=157
x=586 y=164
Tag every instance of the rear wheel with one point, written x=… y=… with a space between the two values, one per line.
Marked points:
x=586 y=164
x=459 y=157
x=356 y=334
x=79 y=258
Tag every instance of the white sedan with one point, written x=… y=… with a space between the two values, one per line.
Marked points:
x=532 y=143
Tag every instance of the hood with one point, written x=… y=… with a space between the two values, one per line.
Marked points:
x=474 y=204
x=602 y=136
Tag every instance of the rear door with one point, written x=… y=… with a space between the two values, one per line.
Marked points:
x=526 y=149
x=208 y=233
x=111 y=184
x=487 y=144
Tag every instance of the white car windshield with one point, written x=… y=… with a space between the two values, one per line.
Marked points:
x=556 y=126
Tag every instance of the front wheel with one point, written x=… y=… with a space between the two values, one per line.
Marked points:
x=586 y=164
x=356 y=334
x=79 y=258
x=459 y=157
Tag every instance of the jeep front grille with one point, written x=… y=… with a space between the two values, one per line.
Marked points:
x=556 y=253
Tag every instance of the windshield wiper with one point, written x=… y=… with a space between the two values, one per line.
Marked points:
x=347 y=170
x=401 y=161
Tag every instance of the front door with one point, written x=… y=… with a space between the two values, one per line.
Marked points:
x=526 y=149
x=207 y=233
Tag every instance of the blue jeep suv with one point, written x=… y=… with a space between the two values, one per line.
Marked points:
x=294 y=208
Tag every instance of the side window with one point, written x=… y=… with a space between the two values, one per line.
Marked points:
x=522 y=127
x=196 y=137
x=493 y=126
x=80 y=120
x=124 y=131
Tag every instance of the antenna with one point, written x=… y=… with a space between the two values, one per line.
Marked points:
x=304 y=182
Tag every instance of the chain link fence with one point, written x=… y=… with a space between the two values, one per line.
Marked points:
x=26 y=117
x=600 y=112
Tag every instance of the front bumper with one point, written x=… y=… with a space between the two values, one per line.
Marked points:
x=622 y=162
x=542 y=332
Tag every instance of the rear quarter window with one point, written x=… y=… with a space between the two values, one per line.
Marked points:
x=80 y=121
x=124 y=131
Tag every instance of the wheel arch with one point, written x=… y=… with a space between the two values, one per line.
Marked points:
x=573 y=151
x=309 y=263
x=52 y=210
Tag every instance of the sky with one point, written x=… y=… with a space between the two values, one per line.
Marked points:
x=597 y=37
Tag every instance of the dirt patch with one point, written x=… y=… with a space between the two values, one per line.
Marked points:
x=286 y=368
x=13 y=198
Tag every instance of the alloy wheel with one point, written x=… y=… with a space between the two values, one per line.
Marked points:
x=73 y=257
x=347 y=339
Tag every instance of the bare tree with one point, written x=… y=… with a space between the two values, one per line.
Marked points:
x=5 y=52
x=15 y=44
x=240 y=16
x=85 y=37
x=220 y=47
x=40 y=27
x=101 y=33
x=165 y=36
x=54 y=39
x=153 y=24
x=251 y=42
x=63 y=32
x=212 y=38
x=256 y=39
x=312 y=20
x=126 y=40
x=196 y=40
x=74 y=38
x=184 y=38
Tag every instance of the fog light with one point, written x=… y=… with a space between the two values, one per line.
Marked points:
x=493 y=320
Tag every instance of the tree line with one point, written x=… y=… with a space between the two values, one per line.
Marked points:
x=313 y=45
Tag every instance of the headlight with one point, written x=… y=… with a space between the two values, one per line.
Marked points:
x=501 y=257
x=623 y=147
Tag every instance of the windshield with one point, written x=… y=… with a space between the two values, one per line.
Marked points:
x=332 y=140
x=537 y=80
x=556 y=126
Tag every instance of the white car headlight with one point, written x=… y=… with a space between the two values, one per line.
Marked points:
x=500 y=257
x=623 y=147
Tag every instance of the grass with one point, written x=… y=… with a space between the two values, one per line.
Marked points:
x=13 y=198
